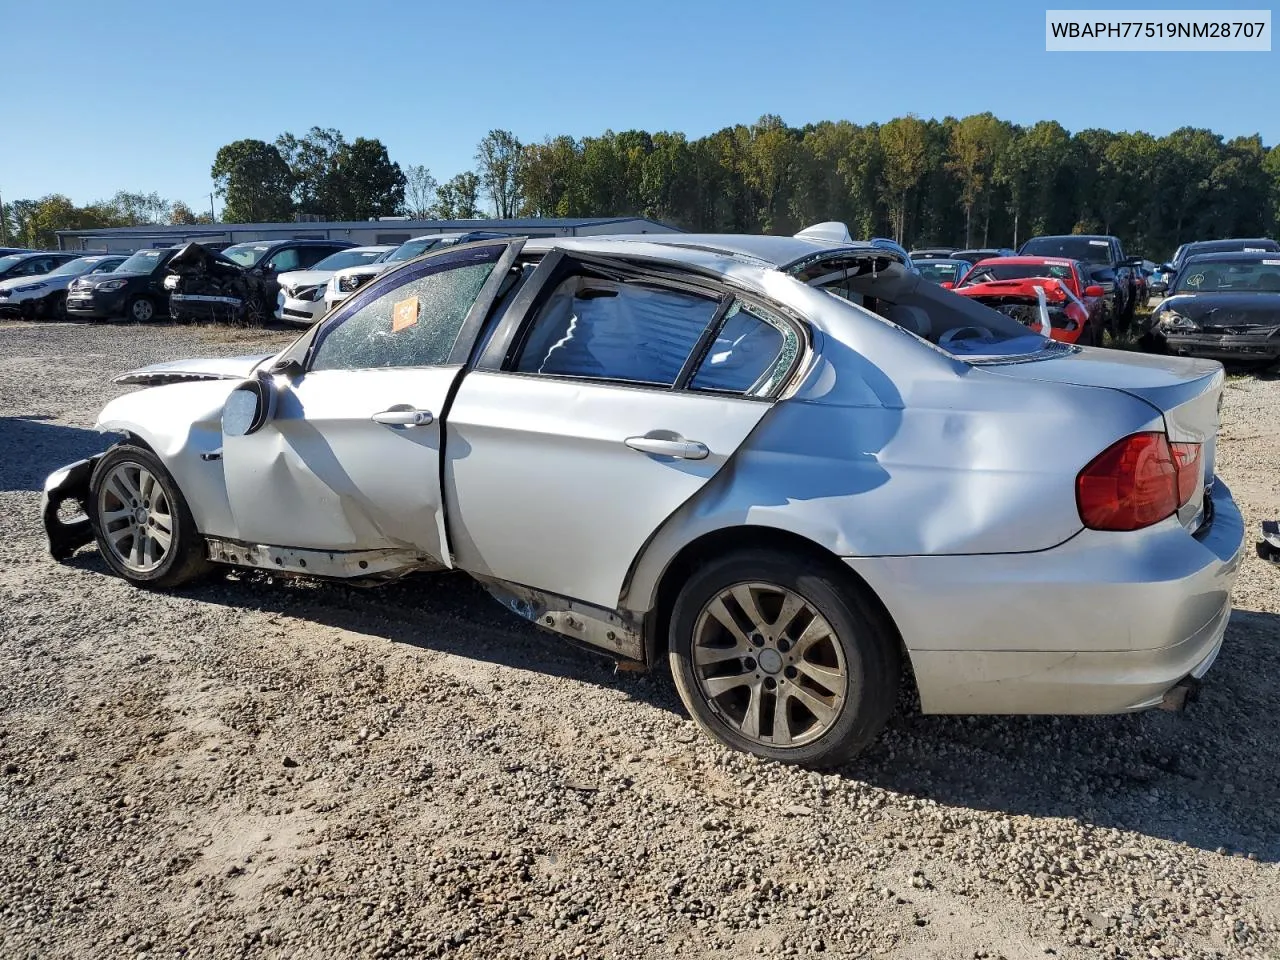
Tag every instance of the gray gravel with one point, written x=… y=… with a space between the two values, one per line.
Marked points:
x=265 y=768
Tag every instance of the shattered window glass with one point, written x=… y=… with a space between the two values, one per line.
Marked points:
x=413 y=325
x=615 y=331
x=751 y=353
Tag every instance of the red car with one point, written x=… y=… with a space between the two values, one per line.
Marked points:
x=1077 y=311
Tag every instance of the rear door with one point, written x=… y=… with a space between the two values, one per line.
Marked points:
x=617 y=401
x=351 y=459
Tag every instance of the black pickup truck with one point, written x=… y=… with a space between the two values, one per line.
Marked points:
x=1108 y=267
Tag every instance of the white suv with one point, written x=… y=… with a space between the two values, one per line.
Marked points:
x=301 y=297
x=343 y=283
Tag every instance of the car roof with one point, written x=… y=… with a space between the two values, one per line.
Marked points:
x=702 y=249
x=1070 y=236
x=309 y=242
x=1225 y=256
x=1227 y=242
x=1030 y=260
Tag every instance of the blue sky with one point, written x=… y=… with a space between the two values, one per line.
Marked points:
x=98 y=99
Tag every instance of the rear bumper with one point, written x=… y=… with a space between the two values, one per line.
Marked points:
x=1104 y=623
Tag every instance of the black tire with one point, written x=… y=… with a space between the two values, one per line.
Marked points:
x=140 y=309
x=869 y=646
x=254 y=313
x=186 y=559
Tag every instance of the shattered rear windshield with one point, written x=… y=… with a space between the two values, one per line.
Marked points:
x=245 y=254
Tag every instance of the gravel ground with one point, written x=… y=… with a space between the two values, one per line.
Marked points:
x=267 y=768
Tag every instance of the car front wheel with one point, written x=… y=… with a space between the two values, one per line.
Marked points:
x=782 y=656
x=144 y=529
x=140 y=310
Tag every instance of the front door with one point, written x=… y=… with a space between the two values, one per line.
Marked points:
x=350 y=459
x=625 y=399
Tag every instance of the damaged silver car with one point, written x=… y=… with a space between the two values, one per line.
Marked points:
x=782 y=464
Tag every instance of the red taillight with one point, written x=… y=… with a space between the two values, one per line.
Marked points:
x=1136 y=482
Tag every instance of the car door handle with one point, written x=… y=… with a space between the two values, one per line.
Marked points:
x=679 y=449
x=404 y=418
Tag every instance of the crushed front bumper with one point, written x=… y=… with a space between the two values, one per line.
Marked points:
x=65 y=484
x=1269 y=546
x=1263 y=345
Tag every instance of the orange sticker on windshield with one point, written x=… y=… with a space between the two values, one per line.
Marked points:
x=404 y=314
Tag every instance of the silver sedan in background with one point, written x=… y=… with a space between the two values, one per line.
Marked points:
x=783 y=465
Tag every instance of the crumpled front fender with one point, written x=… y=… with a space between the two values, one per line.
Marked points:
x=182 y=424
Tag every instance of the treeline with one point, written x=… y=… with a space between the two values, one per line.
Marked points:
x=979 y=181
x=973 y=181
x=33 y=223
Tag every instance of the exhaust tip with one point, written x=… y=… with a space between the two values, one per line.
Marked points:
x=1185 y=691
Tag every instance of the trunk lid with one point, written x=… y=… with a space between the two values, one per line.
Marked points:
x=1187 y=393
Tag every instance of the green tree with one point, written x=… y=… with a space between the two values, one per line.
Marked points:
x=902 y=143
x=419 y=191
x=458 y=198
x=498 y=155
x=365 y=183
x=976 y=143
x=254 y=181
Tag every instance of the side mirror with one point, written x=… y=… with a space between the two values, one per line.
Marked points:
x=1093 y=290
x=249 y=407
x=947 y=285
x=1167 y=268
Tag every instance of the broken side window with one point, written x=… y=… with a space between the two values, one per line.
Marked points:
x=414 y=324
x=751 y=352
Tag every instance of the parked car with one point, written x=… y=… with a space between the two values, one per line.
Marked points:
x=1222 y=305
x=1229 y=245
x=347 y=281
x=1079 y=316
x=932 y=253
x=5 y=251
x=943 y=271
x=301 y=297
x=1036 y=527
x=1104 y=258
x=45 y=296
x=239 y=282
x=35 y=263
x=134 y=290
x=983 y=253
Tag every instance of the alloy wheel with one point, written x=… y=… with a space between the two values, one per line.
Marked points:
x=142 y=310
x=769 y=664
x=135 y=517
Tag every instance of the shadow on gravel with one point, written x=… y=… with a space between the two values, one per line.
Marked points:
x=1207 y=776
x=444 y=612
x=42 y=446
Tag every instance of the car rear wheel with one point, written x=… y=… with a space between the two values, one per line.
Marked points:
x=140 y=310
x=144 y=529
x=782 y=656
